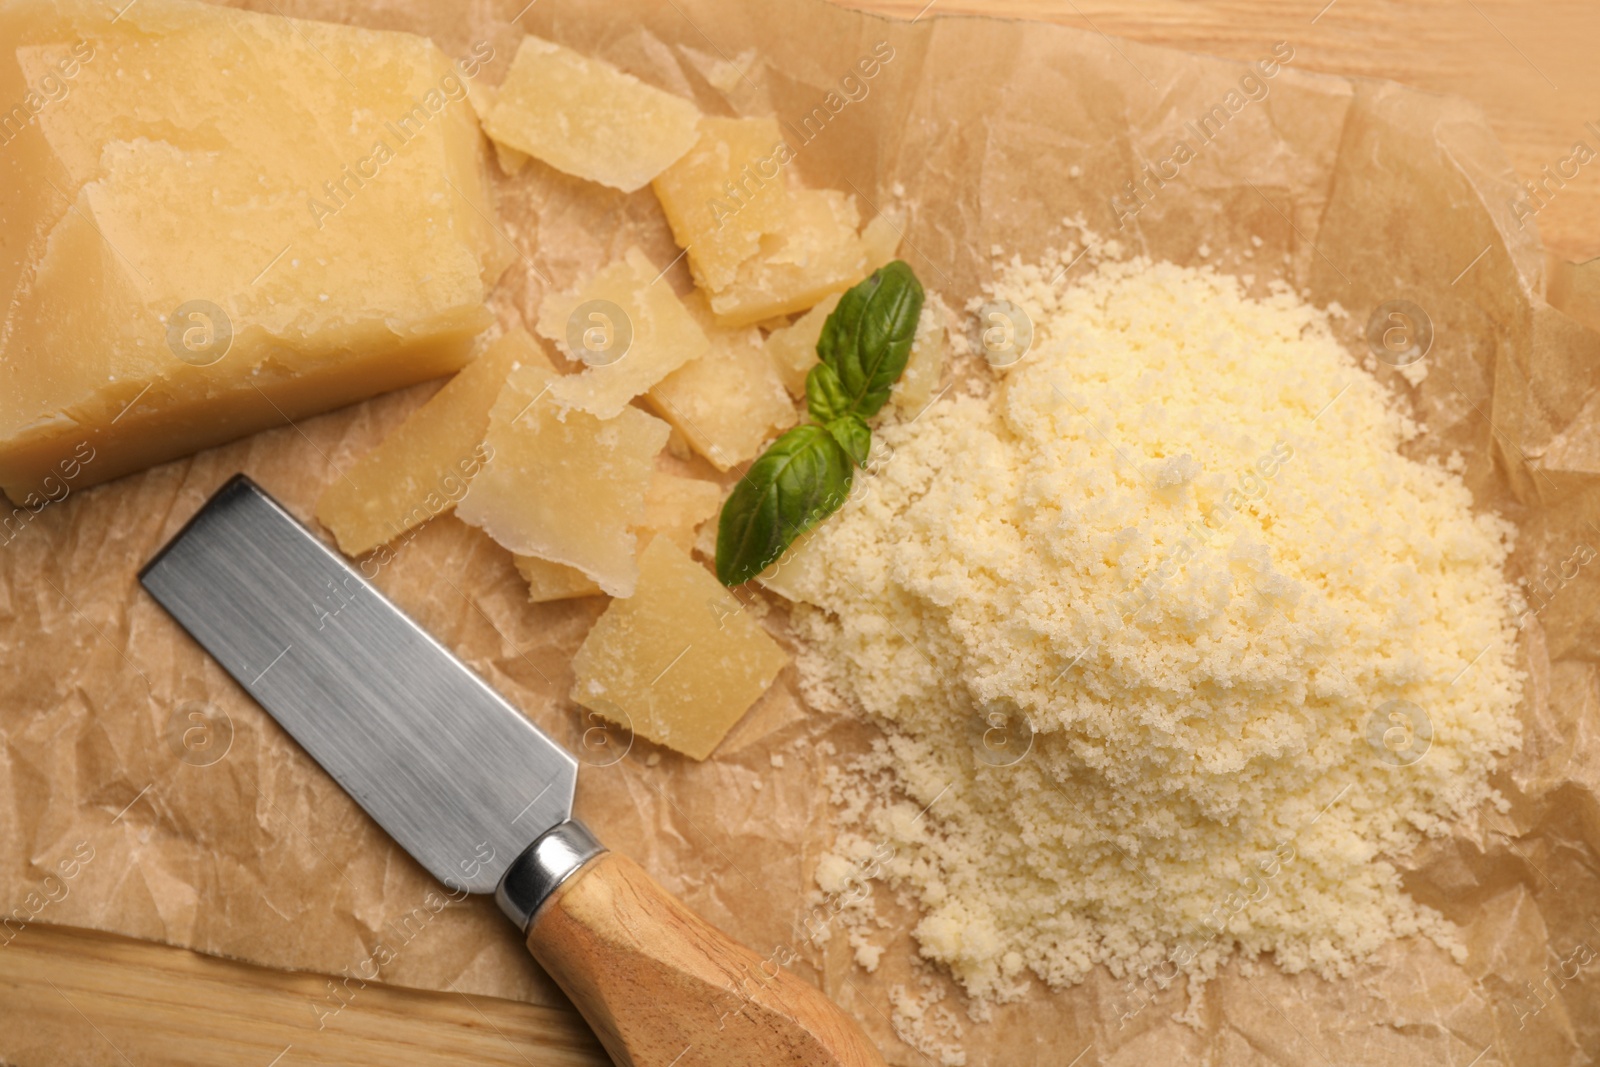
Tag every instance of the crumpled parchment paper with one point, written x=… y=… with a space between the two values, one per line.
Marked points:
x=205 y=826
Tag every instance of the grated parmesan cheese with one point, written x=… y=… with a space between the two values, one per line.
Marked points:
x=1174 y=652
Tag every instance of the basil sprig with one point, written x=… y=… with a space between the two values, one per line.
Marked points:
x=805 y=475
x=867 y=339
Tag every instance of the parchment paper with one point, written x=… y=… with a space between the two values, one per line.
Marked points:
x=986 y=134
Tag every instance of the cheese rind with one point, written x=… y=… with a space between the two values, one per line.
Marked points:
x=728 y=402
x=680 y=661
x=628 y=326
x=563 y=485
x=585 y=117
x=425 y=465
x=191 y=250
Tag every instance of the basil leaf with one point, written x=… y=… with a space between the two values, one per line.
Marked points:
x=806 y=474
x=825 y=394
x=800 y=480
x=867 y=339
x=853 y=436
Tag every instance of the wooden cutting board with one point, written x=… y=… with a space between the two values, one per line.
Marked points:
x=71 y=997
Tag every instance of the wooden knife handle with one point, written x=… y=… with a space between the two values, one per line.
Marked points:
x=662 y=987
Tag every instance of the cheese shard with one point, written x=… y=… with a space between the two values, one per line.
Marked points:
x=563 y=485
x=881 y=236
x=925 y=366
x=484 y=98
x=554 y=581
x=628 y=326
x=758 y=244
x=676 y=506
x=721 y=232
x=424 y=466
x=585 y=117
x=511 y=161
x=798 y=574
x=728 y=402
x=192 y=249
x=673 y=507
x=793 y=348
x=817 y=253
x=680 y=661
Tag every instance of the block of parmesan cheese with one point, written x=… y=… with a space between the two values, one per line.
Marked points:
x=679 y=661
x=758 y=244
x=584 y=116
x=728 y=402
x=673 y=507
x=563 y=485
x=793 y=348
x=424 y=466
x=628 y=327
x=225 y=221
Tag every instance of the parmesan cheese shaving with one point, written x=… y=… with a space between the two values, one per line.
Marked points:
x=1174 y=652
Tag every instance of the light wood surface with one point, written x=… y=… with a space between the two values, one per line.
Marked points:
x=74 y=998
x=90 y=999
x=657 y=982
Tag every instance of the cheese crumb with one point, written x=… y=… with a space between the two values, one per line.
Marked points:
x=1174 y=653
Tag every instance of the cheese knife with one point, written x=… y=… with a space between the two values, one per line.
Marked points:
x=478 y=795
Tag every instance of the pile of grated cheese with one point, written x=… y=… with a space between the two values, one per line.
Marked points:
x=1260 y=652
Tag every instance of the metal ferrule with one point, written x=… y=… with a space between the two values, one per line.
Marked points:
x=544 y=865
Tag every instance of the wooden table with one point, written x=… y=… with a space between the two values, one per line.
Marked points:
x=91 y=999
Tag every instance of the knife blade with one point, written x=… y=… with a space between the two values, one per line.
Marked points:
x=477 y=794
x=456 y=775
